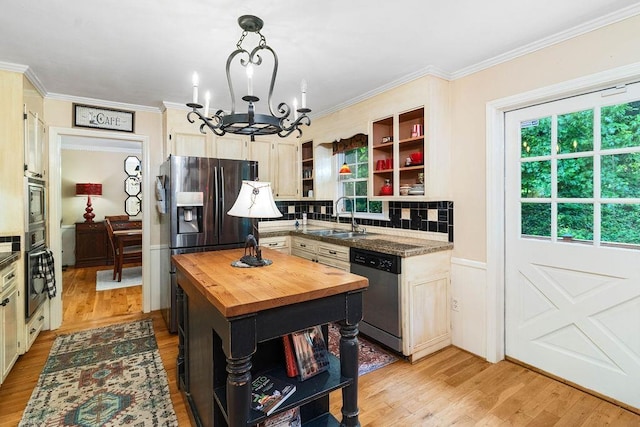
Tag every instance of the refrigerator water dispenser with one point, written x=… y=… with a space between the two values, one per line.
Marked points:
x=189 y=211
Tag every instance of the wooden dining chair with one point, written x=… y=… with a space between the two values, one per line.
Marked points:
x=122 y=253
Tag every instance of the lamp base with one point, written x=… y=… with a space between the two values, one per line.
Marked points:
x=249 y=261
x=88 y=213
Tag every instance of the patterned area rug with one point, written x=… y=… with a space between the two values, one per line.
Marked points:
x=370 y=356
x=109 y=376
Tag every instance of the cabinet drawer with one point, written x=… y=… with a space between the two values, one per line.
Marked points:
x=9 y=275
x=311 y=256
x=304 y=245
x=337 y=252
x=342 y=265
x=275 y=242
x=34 y=327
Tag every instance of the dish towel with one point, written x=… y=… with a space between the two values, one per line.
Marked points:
x=45 y=269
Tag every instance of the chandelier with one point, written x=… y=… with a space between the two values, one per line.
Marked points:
x=282 y=122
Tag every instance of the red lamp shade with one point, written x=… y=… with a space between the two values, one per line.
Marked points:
x=88 y=189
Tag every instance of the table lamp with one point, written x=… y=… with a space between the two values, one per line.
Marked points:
x=255 y=200
x=88 y=189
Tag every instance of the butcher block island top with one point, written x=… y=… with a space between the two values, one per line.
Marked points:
x=235 y=291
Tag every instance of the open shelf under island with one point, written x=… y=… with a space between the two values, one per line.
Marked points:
x=230 y=324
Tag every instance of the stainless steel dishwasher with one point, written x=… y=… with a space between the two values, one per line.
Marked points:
x=382 y=300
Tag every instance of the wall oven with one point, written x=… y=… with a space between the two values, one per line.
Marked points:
x=35 y=244
x=35 y=293
x=36 y=203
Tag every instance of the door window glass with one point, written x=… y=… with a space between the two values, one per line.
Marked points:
x=580 y=167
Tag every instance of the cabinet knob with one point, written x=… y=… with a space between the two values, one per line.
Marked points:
x=32 y=331
x=332 y=252
x=5 y=302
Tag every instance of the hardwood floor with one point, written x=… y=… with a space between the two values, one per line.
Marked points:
x=451 y=387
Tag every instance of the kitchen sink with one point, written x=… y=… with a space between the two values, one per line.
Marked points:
x=325 y=232
x=349 y=235
x=338 y=234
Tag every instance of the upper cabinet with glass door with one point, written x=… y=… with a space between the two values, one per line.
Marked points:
x=409 y=150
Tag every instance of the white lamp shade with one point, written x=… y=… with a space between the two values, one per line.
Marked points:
x=255 y=201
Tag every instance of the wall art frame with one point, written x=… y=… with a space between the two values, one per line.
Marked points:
x=89 y=116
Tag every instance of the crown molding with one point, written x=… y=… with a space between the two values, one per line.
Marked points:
x=560 y=37
x=35 y=81
x=17 y=68
x=101 y=103
x=430 y=70
x=167 y=105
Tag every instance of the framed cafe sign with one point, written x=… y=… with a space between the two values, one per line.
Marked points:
x=87 y=116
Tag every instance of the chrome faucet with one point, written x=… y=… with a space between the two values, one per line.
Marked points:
x=354 y=225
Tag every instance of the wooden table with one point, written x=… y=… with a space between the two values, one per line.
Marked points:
x=230 y=321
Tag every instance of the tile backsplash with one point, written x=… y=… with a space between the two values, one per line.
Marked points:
x=424 y=216
x=11 y=243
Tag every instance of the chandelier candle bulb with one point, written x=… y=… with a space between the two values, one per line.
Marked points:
x=250 y=80
x=295 y=108
x=303 y=88
x=207 y=99
x=195 y=88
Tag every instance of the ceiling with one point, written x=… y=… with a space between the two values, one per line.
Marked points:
x=143 y=53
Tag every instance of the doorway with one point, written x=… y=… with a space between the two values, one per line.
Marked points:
x=56 y=138
x=572 y=205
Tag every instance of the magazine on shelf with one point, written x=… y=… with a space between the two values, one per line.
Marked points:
x=268 y=393
x=288 y=418
x=311 y=351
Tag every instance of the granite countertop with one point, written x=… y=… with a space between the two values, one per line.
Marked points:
x=378 y=242
x=6 y=258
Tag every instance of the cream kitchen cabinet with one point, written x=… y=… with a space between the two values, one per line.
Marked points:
x=304 y=248
x=277 y=163
x=285 y=170
x=231 y=147
x=189 y=144
x=411 y=147
x=34 y=144
x=34 y=327
x=261 y=150
x=324 y=253
x=9 y=343
x=279 y=243
x=426 y=325
x=334 y=255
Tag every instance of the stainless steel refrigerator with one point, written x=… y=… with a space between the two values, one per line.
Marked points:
x=195 y=194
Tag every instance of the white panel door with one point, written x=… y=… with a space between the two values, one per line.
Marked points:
x=572 y=211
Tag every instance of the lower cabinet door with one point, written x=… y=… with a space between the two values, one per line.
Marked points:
x=9 y=310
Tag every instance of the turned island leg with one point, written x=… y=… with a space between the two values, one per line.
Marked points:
x=349 y=350
x=238 y=390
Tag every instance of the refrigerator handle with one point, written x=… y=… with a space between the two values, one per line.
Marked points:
x=216 y=205
x=223 y=187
